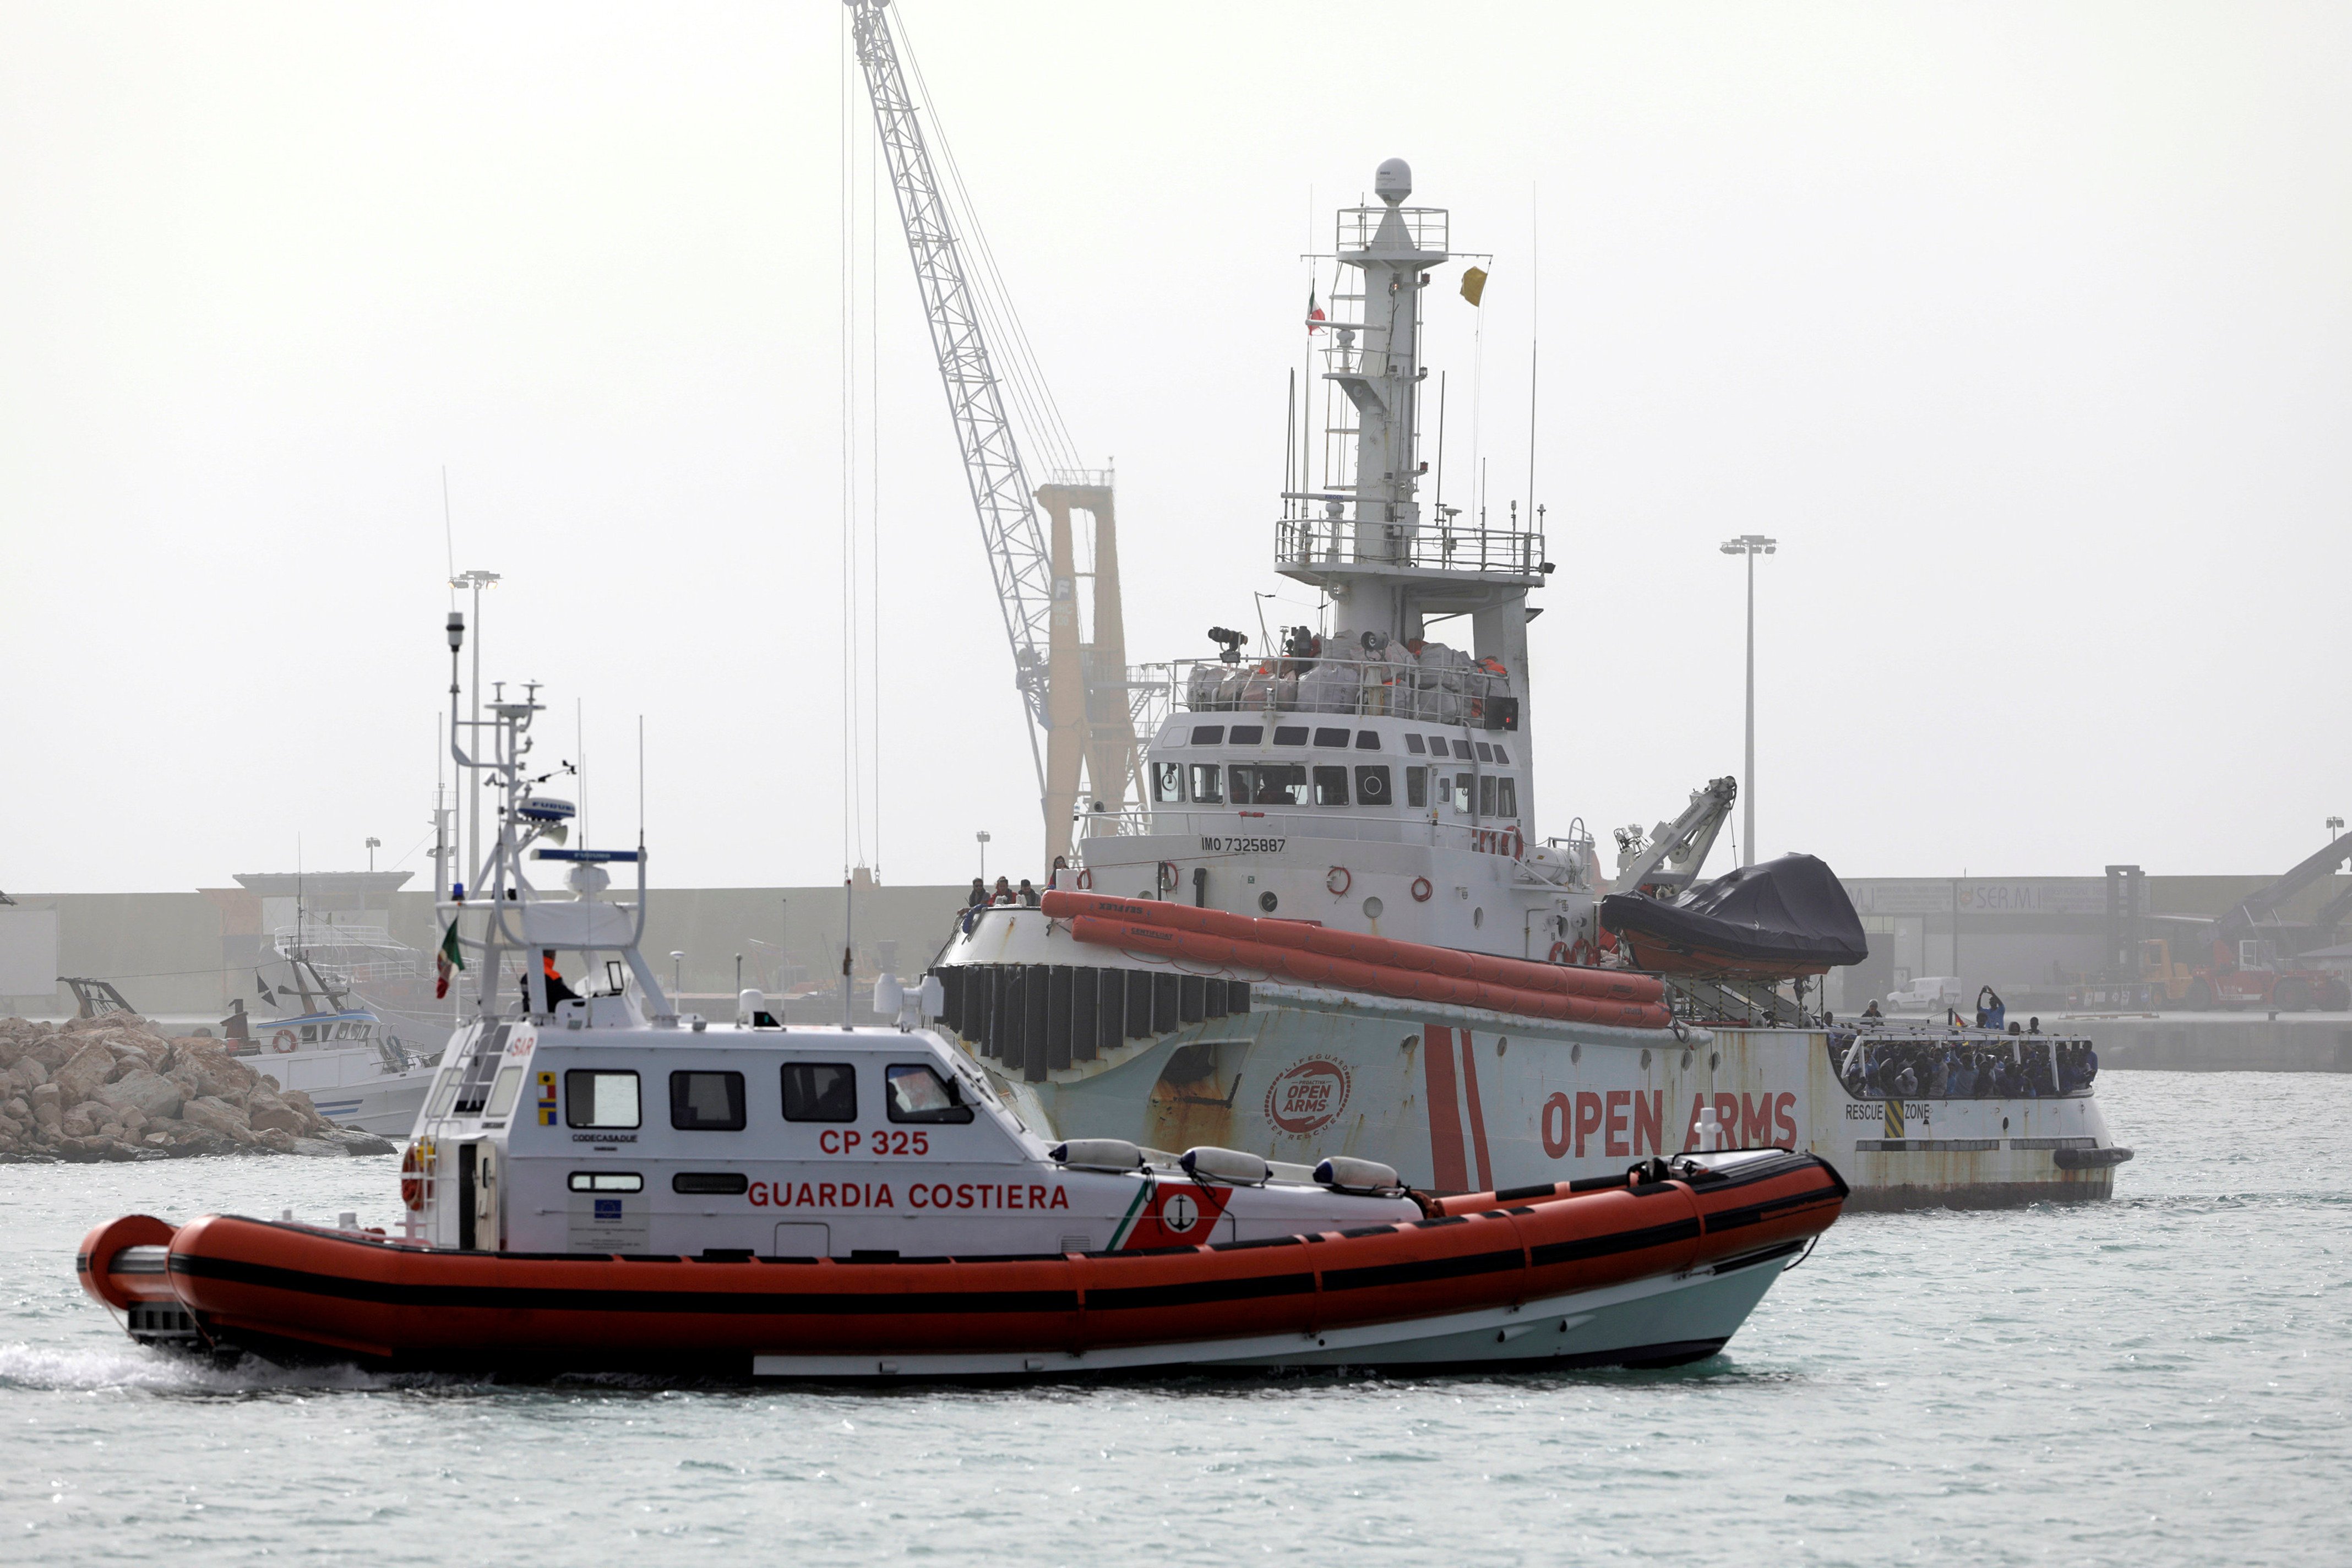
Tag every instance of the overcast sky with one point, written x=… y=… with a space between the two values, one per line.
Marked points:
x=2022 y=328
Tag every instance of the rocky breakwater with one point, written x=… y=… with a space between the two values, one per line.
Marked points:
x=118 y=1089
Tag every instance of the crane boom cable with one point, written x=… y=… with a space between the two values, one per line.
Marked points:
x=1044 y=421
x=1019 y=560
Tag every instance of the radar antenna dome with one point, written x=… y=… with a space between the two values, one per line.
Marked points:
x=1392 y=181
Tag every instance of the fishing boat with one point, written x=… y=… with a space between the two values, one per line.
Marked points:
x=601 y=1181
x=1339 y=926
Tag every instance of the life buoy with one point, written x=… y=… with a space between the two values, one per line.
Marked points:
x=1421 y=889
x=1583 y=954
x=416 y=1178
x=1339 y=880
x=1167 y=876
x=1086 y=878
x=282 y=1041
x=1558 y=953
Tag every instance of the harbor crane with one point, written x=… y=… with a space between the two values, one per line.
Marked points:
x=1075 y=690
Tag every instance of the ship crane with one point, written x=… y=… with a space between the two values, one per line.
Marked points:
x=1076 y=691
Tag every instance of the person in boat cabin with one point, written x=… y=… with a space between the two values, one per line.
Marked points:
x=557 y=990
x=1004 y=893
x=979 y=894
x=1028 y=895
x=1059 y=877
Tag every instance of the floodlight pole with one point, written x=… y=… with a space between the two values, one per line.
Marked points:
x=1750 y=545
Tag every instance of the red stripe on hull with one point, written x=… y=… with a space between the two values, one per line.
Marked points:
x=1447 y=1170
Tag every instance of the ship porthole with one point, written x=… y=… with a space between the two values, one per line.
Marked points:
x=1688 y=1055
x=1477 y=918
x=2004 y=1125
x=1372 y=907
x=1714 y=1060
x=1407 y=1043
x=1266 y=900
x=1576 y=1052
x=1646 y=1057
x=1502 y=1044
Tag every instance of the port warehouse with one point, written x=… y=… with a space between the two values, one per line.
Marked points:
x=191 y=952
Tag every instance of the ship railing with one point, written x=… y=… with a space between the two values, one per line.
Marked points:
x=2050 y=1067
x=1428 y=228
x=1444 y=688
x=1429 y=546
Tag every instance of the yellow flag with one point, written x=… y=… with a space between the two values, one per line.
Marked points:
x=1474 y=283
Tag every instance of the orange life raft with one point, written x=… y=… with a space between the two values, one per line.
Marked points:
x=280 y=1287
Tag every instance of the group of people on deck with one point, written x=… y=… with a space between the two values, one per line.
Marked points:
x=1966 y=1070
x=1025 y=896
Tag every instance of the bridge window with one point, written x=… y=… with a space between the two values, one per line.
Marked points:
x=1290 y=734
x=820 y=1091
x=1269 y=784
x=1167 y=782
x=1437 y=746
x=600 y=1099
x=718 y=1183
x=1248 y=734
x=707 y=1101
x=1208 y=734
x=1368 y=740
x=1416 y=785
x=1486 y=752
x=1465 y=787
x=607 y=1181
x=1330 y=786
x=1373 y=787
x=918 y=1094
x=1208 y=783
x=1413 y=743
x=1337 y=740
x=1506 y=797
x=1501 y=755
x=1486 y=795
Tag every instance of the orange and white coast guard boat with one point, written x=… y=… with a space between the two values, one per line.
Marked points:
x=599 y=1182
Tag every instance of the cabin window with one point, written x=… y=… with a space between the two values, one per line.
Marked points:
x=1486 y=795
x=1502 y=756
x=1465 y=791
x=820 y=1091
x=1416 y=785
x=1486 y=752
x=1373 y=787
x=503 y=1092
x=600 y=1099
x=1208 y=784
x=1167 y=782
x=444 y=1093
x=1437 y=746
x=707 y=1101
x=1330 y=786
x=1335 y=739
x=1506 y=797
x=1368 y=740
x=722 y=1184
x=1413 y=743
x=1248 y=734
x=1269 y=784
x=1208 y=734
x=918 y=1094
x=1290 y=734
x=607 y=1181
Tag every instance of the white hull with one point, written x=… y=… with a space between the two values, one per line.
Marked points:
x=351 y=1088
x=1463 y=1100
x=1663 y=1320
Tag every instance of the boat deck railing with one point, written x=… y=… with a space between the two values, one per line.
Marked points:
x=1444 y=689
x=1435 y=545
x=1975 y=1064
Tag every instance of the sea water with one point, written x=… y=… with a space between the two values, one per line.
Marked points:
x=2161 y=1378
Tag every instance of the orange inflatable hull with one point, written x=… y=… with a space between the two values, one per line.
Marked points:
x=276 y=1286
x=1411 y=971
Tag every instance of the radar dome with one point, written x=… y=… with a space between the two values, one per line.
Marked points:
x=1392 y=181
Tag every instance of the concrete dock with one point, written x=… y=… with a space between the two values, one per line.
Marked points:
x=2214 y=1042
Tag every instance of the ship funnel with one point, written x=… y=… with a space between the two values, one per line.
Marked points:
x=1392 y=181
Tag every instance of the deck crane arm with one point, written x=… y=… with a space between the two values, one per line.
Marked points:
x=1018 y=558
x=2264 y=902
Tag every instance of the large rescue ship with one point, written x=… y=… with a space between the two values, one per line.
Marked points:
x=1337 y=926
